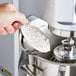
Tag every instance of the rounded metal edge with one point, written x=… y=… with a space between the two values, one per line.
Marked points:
x=67 y=26
x=62 y=33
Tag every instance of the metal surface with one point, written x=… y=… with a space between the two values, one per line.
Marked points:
x=40 y=63
x=66 y=52
x=46 y=64
x=63 y=30
x=64 y=24
x=39 y=66
x=62 y=70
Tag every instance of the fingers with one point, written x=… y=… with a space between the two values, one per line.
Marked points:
x=14 y=20
x=10 y=16
x=9 y=29
x=3 y=31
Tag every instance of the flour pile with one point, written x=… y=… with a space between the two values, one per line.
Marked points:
x=35 y=38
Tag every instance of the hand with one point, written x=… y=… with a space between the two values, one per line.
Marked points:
x=10 y=19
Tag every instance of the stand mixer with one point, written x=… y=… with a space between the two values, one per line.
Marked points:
x=65 y=26
x=67 y=51
x=61 y=61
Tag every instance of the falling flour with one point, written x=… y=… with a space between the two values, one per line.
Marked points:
x=35 y=38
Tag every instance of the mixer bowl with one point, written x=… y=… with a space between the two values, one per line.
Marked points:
x=45 y=64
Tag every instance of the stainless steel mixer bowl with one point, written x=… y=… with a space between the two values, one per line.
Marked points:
x=45 y=64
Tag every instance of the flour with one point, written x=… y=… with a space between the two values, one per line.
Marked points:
x=35 y=38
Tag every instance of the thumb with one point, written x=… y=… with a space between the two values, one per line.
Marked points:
x=21 y=18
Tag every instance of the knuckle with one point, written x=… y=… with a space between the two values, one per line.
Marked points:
x=22 y=15
x=8 y=5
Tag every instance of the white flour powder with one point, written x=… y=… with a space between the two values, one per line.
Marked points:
x=35 y=38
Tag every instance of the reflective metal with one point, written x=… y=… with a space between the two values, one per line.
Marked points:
x=63 y=30
x=66 y=52
x=44 y=64
x=35 y=63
